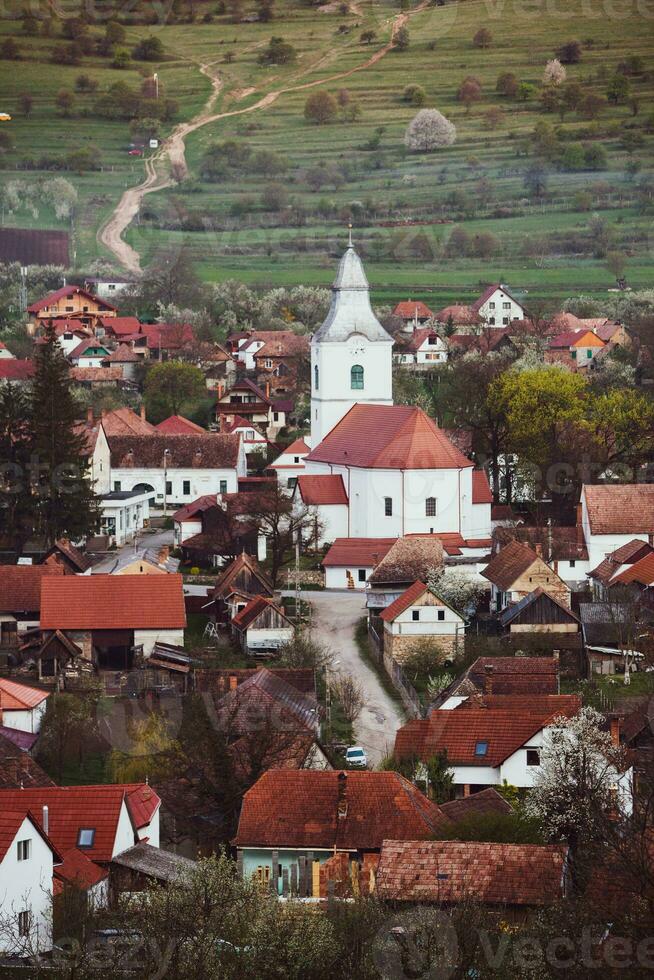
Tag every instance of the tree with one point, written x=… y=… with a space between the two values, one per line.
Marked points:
x=469 y=91
x=67 y=728
x=266 y=11
x=507 y=84
x=457 y=588
x=170 y=280
x=30 y=26
x=414 y=94
x=622 y=425
x=149 y=49
x=535 y=180
x=618 y=89
x=17 y=504
x=281 y=521
x=171 y=385
x=349 y=693
x=494 y=117
x=9 y=50
x=367 y=37
x=65 y=101
x=278 y=52
x=274 y=197
x=554 y=73
x=320 y=108
x=26 y=103
x=152 y=754
x=482 y=38
x=66 y=503
x=84 y=83
x=569 y=53
x=429 y=130
x=401 y=39
x=115 y=32
x=121 y=59
x=592 y=105
x=504 y=828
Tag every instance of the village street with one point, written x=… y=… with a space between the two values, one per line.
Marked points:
x=146 y=541
x=334 y=620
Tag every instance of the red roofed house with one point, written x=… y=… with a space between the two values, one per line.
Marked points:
x=349 y=562
x=177 y=425
x=612 y=515
x=326 y=494
x=487 y=743
x=497 y=307
x=27 y=861
x=262 y=627
x=292 y=822
x=417 y=614
x=423 y=348
x=16 y=371
x=582 y=345
x=247 y=400
x=21 y=707
x=516 y=571
x=290 y=463
x=112 y=617
x=72 y=303
x=89 y=354
x=253 y=440
x=20 y=598
x=413 y=312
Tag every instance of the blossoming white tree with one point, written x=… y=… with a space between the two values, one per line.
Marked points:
x=429 y=130
x=554 y=73
x=457 y=588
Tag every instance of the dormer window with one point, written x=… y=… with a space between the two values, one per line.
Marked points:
x=481 y=748
x=86 y=836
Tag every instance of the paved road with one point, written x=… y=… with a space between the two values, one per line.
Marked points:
x=126 y=554
x=335 y=616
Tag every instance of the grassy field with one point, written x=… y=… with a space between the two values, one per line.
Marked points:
x=404 y=206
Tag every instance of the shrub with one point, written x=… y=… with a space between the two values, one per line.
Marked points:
x=278 y=52
x=121 y=59
x=83 y=83
x=570 y=53
x=429 y=130
x=482 y=38
x=320 y=107
x=401 y=39
x=9 y=51
x=65 y=54
x=469 y=91
x=149 y=49
x=415 y=94
x=507 y=84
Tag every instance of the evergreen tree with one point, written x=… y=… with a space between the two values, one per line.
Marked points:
x=17 y=504
x=65 y=499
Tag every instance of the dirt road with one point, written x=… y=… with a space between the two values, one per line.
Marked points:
x=335 y=617
x=168 y=165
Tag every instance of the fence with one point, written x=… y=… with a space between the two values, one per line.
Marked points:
x=410 y=697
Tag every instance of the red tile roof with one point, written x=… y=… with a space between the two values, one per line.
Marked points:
x=266 y=701
x=168 y=336
x=389 y=437
x=322 y=490
x=85 y=345
x=297 y=448
x=575 y=338
x=15 y=696
x=121 y=325
x=178 y=425
x=458 y=732
x=358 y=551
x=78 y=870
x=93 y=374
x=71 y=808
x=110 y=602
x=641 y=572
x=20 y=586
x=460 y=315
x=627 y=554
x=481 y=491
x=125 y=422
x=413 y=593
x=11 y=820
x=123 y=355
x=626 y=508
x=63 y=293
x=417 y=339
x=13 y=369
x=300 y=809
x=142 y=803
x=513 y=675
x=190 y=512
x=485 y=801
x=207 y=450
x=509 y=564
x=541 y=704
x=410 y=309
x=465 y=871
x=17 y=767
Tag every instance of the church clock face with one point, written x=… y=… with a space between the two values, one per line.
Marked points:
x=357 y=348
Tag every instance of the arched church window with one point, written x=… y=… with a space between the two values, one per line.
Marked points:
x=356 y=376
x=316 y=377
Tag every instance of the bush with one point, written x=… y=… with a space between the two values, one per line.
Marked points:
x=401 y=39
x=149 y=49
x=83 y=159
x=84 y=84
x=415 y=94
x=554 y=73
x=429 y=130
x=320 y=107
x=9 y=51
x=278 y=52
x=507 y=84
x=569 y=53
x=482 y=38
x=65 y=54
x=121 y=59
x=469 y=91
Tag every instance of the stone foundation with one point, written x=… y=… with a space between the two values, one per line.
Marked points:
x=400 y=648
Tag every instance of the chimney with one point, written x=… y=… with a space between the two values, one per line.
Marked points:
x=46 y=821
x=89 y=416
x=267 y=389
x=342 y=795
x=538 y=548
x=143 y=411
x=488 y=679
x=233 y=682
x=616 y=724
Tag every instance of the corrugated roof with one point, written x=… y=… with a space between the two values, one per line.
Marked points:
x=110 y=602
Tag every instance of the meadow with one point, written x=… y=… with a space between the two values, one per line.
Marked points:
x=403 y=205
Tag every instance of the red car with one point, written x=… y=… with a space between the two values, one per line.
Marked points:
x=136 y=153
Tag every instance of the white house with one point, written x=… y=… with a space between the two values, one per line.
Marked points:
x=424 y=348
x=497 y=307
x=350 y=562
x=612 y=515
x=89 y=353
x=106 y=288
x=123 y=514
x=327 y=495
x=21 y=707
x=253 y=440
x=187 y=521
x=290 y=464
x=418 y=614
x=261 y=627
x=401 y=473
x=177 y=469
x=27 y=860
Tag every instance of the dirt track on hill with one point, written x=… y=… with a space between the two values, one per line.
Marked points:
x=171 y=153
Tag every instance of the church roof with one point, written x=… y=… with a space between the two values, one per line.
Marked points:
x=389 y=437
x=350 y=311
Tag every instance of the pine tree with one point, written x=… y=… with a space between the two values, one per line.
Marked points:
x=66 y=503
x=17 y=504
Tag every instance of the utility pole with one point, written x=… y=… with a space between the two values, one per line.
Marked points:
x=22 y=289
x=165 y=500
x=156 y=85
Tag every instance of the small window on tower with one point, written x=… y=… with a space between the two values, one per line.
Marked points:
x=388 y=506
x=316 y=377
x=356 y=376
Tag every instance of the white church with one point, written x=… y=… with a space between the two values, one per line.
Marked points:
x=375 y=469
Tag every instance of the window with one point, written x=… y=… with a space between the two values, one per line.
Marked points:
x=316 y=377
x=415 y=615
x=573 y=354
x=533 y=757
x=296 y=459
x=440 y=615
x=290 y=483
x=24 y=849
x=267 y=363
x=275 y=416
x=23 y=923
x=116 y=486
x=249 y=435
x=433 y=339
x=388 y=506
x=430 y=507
x=491 y=320
x=263 y=874
x=222 y=486
x=491 y=306
x=589 y=353
x=506 y=306
x=573 y=562
x=356 y=377
x=481 y=748
x=169 y=486
x=505 y=320
x=361 y=575
x=85 y=837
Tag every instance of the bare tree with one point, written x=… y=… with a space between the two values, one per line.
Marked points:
x=349 y=693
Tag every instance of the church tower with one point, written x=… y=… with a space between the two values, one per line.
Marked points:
x=351 y=353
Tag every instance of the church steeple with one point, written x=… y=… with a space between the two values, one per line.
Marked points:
x=351 y=353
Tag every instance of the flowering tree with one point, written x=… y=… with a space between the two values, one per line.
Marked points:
x=460 y=590
x=554 y=73
x=429 y=130
x=574 y=791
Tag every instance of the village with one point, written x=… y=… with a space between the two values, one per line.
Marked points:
x=332 y=635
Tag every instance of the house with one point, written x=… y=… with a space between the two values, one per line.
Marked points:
x=516 y=571
x=458 y=316
x=249 y=401
x=16 y=371
x=349 y=562
x=420 y=614
x=187 y=521
x=292 y=822
x=58 y=654
x=540 y=612
x=582 y=346
x=17 y=767
x=612 y=632
x=563 y=548
x=117 y=327
x=72 y=303
x=27 y=861
x=227 y=529
x=502 y=675
x=20 y=598
x=89 y=354
x=290 y=463
x=510 y=878
x=266 y=701
x=412 y=313
x=483 y=803
x=497 y=307
x=106 y=288
x=125 y=422
x=279 y=359
x=21 y=707
x=71 y=559
x=241 y=581
x=407 y=561
x=124 y=513
x=70 y=333
x=177 y=425
x=113 y=618
x=124 y=358
x=485 y=744
x=176 y=469
x=612 y=515
x=639 y=576
x=253 y=440
x=5 y=353
x=615 y=563
x=424 y=349
x=262 y=627
x=143 y=866
x=165 y=340
x=90 y=377
x=327 y=495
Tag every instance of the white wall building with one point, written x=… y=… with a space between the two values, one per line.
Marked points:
x=497 y=307
x=612 y=515
x=27 y=860
x=290 y=464
x=21 y=707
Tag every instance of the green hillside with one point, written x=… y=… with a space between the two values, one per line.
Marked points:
x=548 y=233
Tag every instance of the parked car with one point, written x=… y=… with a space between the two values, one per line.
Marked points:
x=355 y=756
x=136 y=153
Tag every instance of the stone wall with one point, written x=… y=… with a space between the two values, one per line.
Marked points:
x=399 y=648
x=307 y=576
